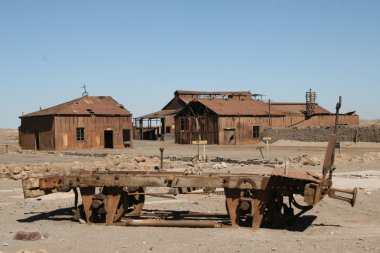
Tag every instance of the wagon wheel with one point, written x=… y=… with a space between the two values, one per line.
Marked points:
x=130 y=205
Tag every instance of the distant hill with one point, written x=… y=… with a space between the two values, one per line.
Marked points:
x=365 y=122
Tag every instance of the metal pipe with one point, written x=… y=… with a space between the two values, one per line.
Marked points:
x=185 y=215
x=172 y=223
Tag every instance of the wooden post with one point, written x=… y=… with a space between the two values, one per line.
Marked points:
x=141 y=129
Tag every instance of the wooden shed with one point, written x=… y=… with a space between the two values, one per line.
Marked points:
x=89 y=122
x=223 y=121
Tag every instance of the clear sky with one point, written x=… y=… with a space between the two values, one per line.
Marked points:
x=140 y=52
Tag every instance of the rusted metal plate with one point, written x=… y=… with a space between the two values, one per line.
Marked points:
x=328 y=161
x=51 y=182
x=123 y=180
x=87 y=105
x=168 y=180
x=296 y=174
x=312 y=194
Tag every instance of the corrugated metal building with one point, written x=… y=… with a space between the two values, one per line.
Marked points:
x=84 y=123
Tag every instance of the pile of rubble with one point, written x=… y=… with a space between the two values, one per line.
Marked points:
x=304 y=160
x=370 y=156
x=112 y=163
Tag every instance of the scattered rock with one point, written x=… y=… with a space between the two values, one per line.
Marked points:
x=17 y=170
x=216 y=166
x=17 y=177
x=41 y=251
x=5 y=244
x=27 y=236
x=140 y=159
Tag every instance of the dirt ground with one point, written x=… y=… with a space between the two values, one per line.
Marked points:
x=331 y=226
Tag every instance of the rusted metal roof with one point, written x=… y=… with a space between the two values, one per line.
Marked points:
x=87 y=105
x=226 y=107
x=160 y=114
x=188 y=92
x=296 y=109
x=176 y=103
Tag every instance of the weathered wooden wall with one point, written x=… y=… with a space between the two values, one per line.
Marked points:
x=59 y=133
x=41 y=126
x=170 y=122
x=217 y=129
x=208 y=130
x=66 y=127
x=243 y=128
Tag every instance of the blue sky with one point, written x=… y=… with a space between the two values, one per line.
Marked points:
x=140 y=52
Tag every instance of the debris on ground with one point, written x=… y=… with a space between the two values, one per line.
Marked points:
x=304 y=160
x=29 y=236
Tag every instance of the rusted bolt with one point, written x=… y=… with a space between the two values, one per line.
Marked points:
x=244 y=205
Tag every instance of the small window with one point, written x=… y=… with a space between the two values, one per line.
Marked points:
x=167 y=130
x=80 y=134
x=256 y=132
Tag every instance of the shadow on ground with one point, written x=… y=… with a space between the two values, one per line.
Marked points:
x=61 y=214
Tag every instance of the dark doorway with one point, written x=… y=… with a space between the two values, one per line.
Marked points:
x=108 y=139
x=127 y=137
x=37 y=137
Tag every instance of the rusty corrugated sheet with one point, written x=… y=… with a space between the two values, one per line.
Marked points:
x=224 y=107
x=160 y=114
x=226 y=93
x=297 y=109
x=87 y=105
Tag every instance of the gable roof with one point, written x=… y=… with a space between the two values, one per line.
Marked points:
x=87 y=105
x=228 y=107
x=160 y=114
x=176 y=103
x=297 y=109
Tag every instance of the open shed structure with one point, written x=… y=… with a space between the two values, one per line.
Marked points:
x=89 y=122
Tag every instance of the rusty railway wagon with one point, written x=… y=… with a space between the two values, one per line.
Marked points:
x=252 y=200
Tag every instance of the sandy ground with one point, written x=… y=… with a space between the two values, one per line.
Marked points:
x=331 y=226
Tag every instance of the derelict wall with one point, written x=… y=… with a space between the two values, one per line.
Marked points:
x=94 y=129
x=37 y=133
x=321 y=134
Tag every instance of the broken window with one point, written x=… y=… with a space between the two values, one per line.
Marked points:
x=256 y=132
x=80 y=134
x=167 y=130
